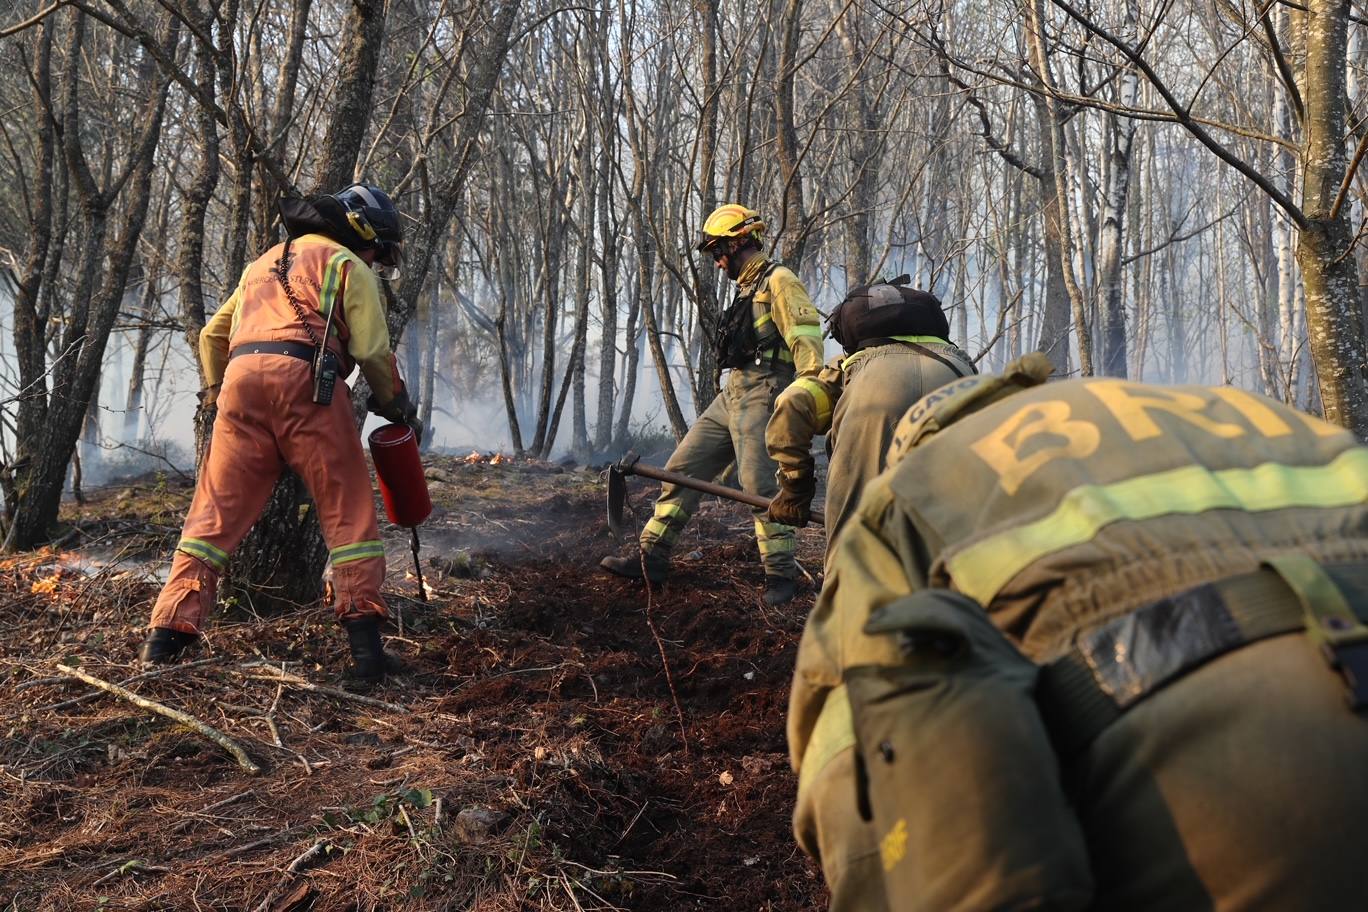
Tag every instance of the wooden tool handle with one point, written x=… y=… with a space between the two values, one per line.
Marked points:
x=708 y=487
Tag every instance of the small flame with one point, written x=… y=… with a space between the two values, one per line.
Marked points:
x=46 y=586
x=478 y=458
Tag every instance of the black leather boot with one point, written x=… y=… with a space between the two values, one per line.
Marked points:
x=779 y=590
x=657 y=569
x=370 y=662
x=164 y=645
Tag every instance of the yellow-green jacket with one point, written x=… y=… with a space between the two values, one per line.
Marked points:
x=784 y=303
x=857 y=401
x=1063 y=505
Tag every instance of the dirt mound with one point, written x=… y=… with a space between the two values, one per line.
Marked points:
x=545 y=760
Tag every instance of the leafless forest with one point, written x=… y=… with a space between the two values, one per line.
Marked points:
x=1165 y=191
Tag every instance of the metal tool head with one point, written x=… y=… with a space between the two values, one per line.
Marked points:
x=627 y=464
x=617 y=499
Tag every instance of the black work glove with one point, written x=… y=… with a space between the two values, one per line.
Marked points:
x=400 y=410
x=208 y=396
x=792 y=506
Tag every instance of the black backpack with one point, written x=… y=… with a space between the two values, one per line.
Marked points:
x=872 y=314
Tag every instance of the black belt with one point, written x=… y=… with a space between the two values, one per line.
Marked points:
x=1115 y=665
x=301 y=350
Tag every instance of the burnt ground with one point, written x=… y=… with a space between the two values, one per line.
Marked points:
x=537 y=755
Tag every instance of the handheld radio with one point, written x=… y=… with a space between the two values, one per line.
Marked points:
x=324 y=364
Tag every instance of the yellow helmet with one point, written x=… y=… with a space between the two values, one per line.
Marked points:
x=731 y=221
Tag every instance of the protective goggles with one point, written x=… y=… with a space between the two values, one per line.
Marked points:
x=388 y=259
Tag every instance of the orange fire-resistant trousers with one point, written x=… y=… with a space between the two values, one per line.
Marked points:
x=267 y=420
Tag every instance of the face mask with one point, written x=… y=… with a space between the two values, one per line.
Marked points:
x=388 y=273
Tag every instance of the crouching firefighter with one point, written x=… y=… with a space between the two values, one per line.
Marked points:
x=303 y=315
x=1115 y=658
x=769 y=331
x=896 y=351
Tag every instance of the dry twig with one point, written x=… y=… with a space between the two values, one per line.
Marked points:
x=275 y=674
x=318 y=848
x=132 y=867
x=213 y=734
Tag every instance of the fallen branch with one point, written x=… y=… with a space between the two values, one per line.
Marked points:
x=155 y=673
x=189 y=721
x=275 y=674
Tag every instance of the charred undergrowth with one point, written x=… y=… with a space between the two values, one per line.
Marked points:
x=541 y=764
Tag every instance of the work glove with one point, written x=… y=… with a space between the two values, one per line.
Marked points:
x=400 y=410
x=208 y=396
x=792 y=506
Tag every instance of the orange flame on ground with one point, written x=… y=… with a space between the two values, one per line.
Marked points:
x=478 y=458
x=46 y=586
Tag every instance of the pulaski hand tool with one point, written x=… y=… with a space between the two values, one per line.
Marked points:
x=631 y=464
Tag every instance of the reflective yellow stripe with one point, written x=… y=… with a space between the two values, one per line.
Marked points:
x=658 y=529
x=765 y=529
x=833 y=732
x=767 y=318
x=922 y=340
x=666 y=510
x=819 y=398
x=216 y=557
x=358 y=551
x=777 y=545
x=332 y=278
x=983 y=568
x=801 y=330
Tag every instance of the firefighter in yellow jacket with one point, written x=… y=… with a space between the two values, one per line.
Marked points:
x=262 y=371
x=1088 y=644
x=770 y=331
x=897 y=350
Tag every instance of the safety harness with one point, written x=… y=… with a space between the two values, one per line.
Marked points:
x=742 y=339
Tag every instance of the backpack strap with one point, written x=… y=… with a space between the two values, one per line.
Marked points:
x=919 y=349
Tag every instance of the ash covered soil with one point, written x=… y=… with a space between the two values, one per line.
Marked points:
x=561 y=741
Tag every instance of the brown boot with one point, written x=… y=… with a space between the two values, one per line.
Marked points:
x=657 y=569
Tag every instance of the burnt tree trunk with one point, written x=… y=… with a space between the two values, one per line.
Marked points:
x=93 y=307
x=28 y=326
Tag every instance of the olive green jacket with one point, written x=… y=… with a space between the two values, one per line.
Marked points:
x=1060 y=506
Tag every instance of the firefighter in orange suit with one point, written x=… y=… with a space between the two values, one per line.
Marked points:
x=258 y=356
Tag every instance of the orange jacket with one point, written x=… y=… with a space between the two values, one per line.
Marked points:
x=322 y=272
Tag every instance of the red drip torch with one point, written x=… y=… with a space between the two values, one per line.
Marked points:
x=394 y=449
